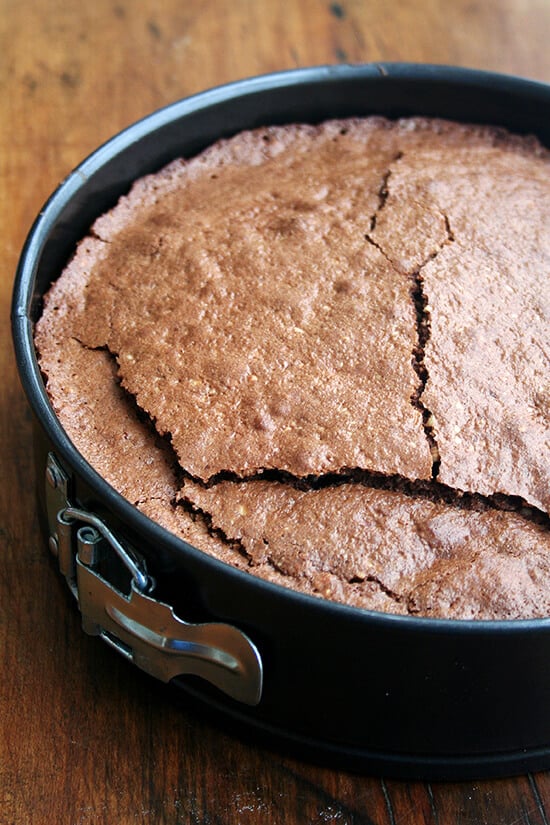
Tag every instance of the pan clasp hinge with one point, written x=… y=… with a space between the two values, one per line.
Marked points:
x=114 y=591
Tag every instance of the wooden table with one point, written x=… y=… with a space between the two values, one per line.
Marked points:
x=86 y=738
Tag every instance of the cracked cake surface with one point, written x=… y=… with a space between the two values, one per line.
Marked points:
x=320 y=353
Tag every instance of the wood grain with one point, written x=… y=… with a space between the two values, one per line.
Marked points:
x=85 y=738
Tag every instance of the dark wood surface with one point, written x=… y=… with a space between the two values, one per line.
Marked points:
x=86 y=738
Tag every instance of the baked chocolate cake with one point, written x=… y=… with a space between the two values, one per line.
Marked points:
x=321 y=354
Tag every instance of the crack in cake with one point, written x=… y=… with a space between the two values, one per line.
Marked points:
x=320 y=353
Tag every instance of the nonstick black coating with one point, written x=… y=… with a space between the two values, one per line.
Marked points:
x=394 y=694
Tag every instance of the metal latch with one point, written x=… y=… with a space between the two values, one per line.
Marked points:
x=144 y=630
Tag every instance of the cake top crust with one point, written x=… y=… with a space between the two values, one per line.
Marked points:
x=312 y=299
x=321 y=354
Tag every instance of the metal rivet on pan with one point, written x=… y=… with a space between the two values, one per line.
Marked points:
x=53 y=545
x=52 y=477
